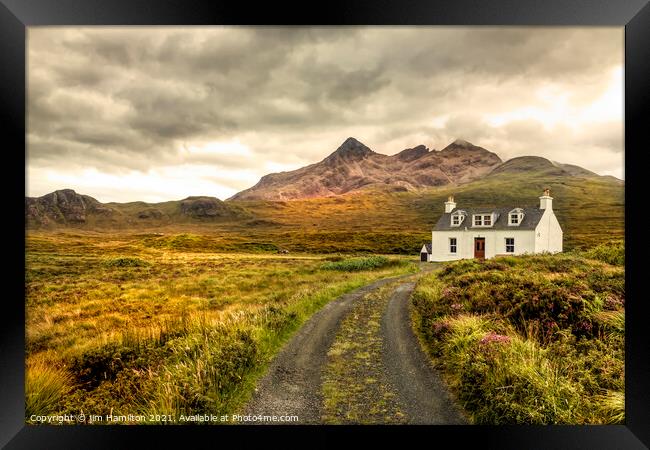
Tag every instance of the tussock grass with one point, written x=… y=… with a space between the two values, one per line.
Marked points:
x=528 y=340
x=45 y=386
x=613 y=321
x=611 y=407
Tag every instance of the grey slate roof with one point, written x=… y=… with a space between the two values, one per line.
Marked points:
x=532 y=217
x=428 y=246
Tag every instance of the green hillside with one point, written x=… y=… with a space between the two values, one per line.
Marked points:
x=590 y=209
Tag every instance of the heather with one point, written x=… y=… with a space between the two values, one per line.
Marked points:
x=534 y=339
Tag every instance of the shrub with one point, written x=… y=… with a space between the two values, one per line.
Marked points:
x=357 y=264
x=612 y=253
x=125 y=261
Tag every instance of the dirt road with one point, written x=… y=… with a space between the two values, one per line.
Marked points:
x=400 y=381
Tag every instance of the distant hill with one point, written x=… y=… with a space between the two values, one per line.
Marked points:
x=354 y=166
x=539 y=165
x=67 y=208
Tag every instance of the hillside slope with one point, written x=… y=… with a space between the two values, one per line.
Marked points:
x=590 y=210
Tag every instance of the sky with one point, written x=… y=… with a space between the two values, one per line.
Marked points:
x=162 y=113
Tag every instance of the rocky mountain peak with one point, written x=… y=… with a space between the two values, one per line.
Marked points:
x=351 y=149
x=462 y=143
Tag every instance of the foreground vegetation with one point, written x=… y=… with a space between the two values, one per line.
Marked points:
x=162 y=326
x=533 y=339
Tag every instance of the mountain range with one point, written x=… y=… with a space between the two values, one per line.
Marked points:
x=354 y=166
x=357 y=188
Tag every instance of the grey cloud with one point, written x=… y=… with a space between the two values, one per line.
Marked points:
x=128 y=98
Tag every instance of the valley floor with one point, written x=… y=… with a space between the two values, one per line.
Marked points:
x=157 y=334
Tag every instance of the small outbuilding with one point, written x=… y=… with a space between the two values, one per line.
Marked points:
x=425 y=253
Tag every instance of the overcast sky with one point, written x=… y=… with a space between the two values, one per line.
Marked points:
x=160 y=113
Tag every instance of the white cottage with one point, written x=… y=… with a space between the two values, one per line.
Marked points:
x=488 y=232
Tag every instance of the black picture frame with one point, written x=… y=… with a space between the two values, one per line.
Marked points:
x=16 y=15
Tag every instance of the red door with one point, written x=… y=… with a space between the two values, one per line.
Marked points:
x=479 y=248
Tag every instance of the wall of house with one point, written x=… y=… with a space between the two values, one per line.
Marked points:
x=495 y=243
x=548 y=234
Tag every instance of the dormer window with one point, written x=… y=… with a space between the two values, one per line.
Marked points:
x=457 y=218
x=482 y=220
x=515 y=217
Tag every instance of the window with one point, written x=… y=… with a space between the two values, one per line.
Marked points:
x=452 y=245
x=510 y=245
x=481 y=220
x=515 y=217
x=457 y=218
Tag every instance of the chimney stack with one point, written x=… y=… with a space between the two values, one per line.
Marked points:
x=546 y=201
x=450 y=204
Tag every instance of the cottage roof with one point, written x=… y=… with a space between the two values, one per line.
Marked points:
x=531 y=218
x=428 y=247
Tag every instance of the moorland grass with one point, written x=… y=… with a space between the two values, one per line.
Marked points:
x=115 y=325
x=535 y=339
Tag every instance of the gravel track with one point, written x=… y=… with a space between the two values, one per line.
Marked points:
x=293 y=382
x=422 y=394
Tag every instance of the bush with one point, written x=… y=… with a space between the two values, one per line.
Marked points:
x=612 y=253
x=125 y=261
x=357 y=264
x=184 y=241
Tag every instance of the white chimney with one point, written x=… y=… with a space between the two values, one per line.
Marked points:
x=546 y=201
x=450 y=204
